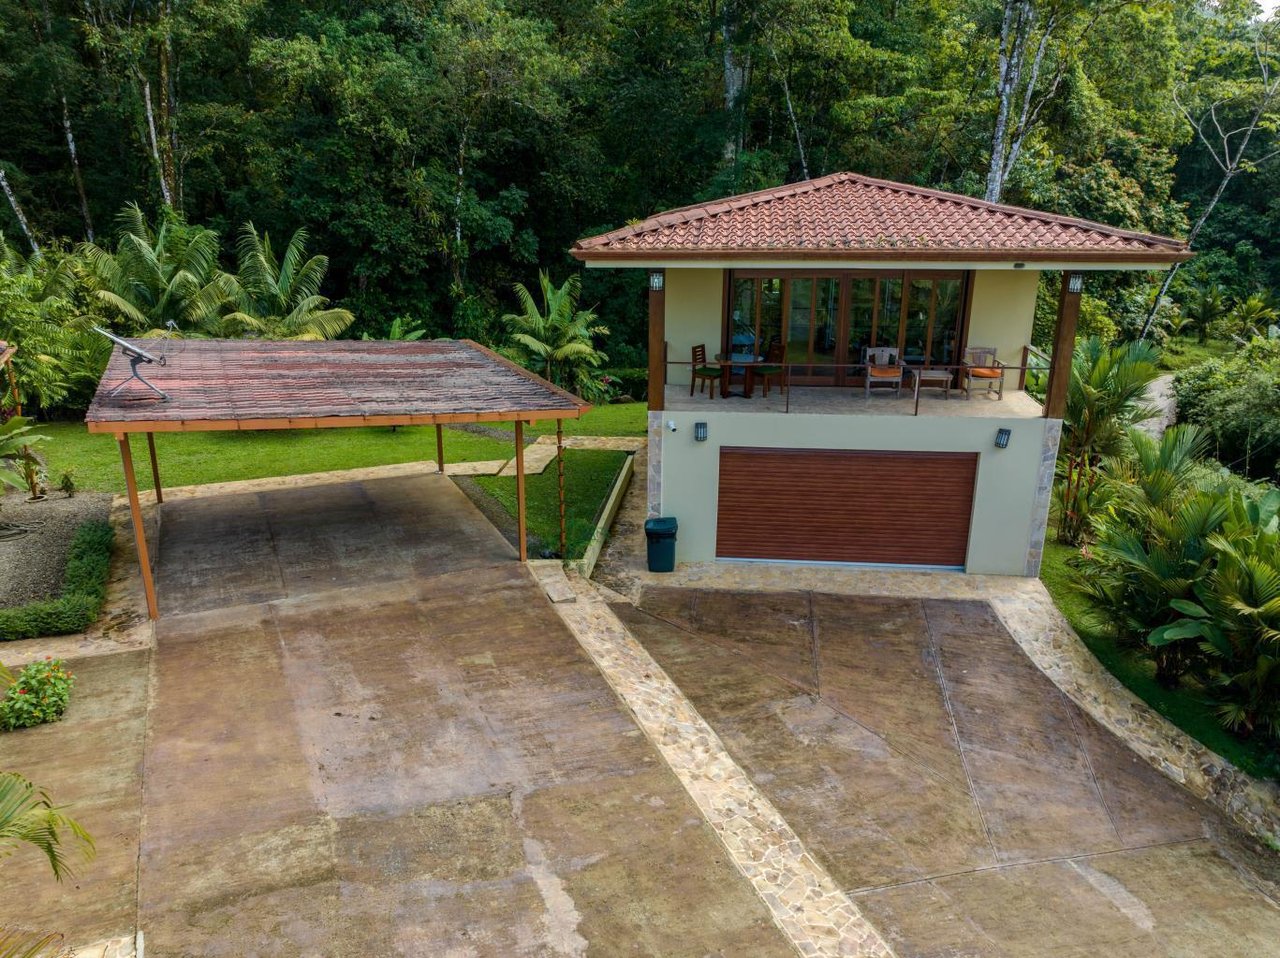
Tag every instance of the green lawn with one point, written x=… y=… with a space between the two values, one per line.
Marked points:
x=588 y=477
x=1185 y=707
x=1183 y=352
x=198 y=457
x=621 y=419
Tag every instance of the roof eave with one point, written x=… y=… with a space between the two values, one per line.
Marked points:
x=1153 y=258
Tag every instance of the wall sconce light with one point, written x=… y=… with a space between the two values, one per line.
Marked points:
x=1002 y=438
x=700 y=432
x=1019 y=265
x=656 y=281
x=1075 y=283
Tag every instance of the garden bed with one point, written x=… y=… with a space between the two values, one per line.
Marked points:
x=32 y=565
x=1184 y=706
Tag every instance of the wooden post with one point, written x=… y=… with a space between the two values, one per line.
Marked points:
x=657 y=340
x=520 y=517
x=560 y=482
x=139 y=533
x=439 y=448
x=155 y=467
x=1064 y=342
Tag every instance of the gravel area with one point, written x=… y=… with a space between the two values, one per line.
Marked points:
x=31 y=566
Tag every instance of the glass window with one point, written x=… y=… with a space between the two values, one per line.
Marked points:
x=826 y=324
x=890 y=318
x=770 y=328
x=862 y=304
x=742 y=334
x=915 y=344
x=799 y=320
x=946 y=323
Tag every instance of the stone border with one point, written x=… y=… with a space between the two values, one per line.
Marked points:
x=1044 y=492
x=587 y=564
x=816 y=916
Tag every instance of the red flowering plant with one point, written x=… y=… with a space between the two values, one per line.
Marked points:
x=38 y=694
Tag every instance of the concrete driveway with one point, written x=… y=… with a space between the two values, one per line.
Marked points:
x=966 y=805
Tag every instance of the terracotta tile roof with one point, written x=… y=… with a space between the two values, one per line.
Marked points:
x=845 y=215
x=254 y=384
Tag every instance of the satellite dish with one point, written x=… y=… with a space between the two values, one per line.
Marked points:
x=137 y=356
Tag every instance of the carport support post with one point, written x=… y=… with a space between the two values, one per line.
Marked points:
x=139 y=533
x=520 y=518
x=155 y=467
x=1064 y=341
x=439 y=448
x=560 y=480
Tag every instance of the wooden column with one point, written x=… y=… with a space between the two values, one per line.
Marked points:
x=439 y=448
x=657 y=340
x=139 y=533
x=155 y=467
x=1064 y=342
x=560 y=482
x=520 y=516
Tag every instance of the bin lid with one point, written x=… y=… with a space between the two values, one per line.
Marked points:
x=662 y=525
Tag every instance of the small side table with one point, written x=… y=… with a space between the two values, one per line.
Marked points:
x=933 y=379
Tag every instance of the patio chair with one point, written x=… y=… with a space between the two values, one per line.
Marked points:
x=882 y=368
x=773 y=369
x=701 y=373
x=981 y=366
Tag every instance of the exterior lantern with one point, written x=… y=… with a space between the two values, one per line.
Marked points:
x=656 y=281
x=1075 y=283
x=1002 y=438
x=700 y=432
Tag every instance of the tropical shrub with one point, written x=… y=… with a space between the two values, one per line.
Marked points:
x=84 y=588
x=1106 y=395
x=38 y=694
x=29 y=817
x=1237 y=400
x=19 y=462
x=557 y=340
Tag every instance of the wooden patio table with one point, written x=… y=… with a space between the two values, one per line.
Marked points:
x=926 y=376
x=726 y=362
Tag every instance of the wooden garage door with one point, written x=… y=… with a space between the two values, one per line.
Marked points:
x=837 y=505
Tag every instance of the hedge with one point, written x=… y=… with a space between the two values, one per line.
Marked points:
x=84 y=587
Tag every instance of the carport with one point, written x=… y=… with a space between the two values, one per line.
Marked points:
x=207 y=385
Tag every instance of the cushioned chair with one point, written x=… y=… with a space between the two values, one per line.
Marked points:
x=882 y=368
x=981 y=366
x=702 y=373
x=772 y=371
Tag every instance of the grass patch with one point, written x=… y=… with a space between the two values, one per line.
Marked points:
x=192 y=458
x=619 y=419
x=84 y=587
x=589 y=475
x=1183 y=352
x=1184 y=706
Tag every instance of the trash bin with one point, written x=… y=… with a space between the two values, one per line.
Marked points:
x=661 y=534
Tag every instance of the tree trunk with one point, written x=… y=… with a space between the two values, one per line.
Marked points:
x=1014 y=28
x=75 y=170
x=169 y=109
x=165 y=192
x=18 y=214
x=791 y=114
x=734 y=80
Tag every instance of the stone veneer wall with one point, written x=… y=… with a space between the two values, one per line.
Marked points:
x=653 y=475
x=1044 y=492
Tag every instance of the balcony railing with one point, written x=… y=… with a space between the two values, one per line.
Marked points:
x=735 y=379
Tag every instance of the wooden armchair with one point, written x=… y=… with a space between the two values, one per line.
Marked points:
x=882 y=368
x=981 y=366
x=700 y=373
x=773 y=370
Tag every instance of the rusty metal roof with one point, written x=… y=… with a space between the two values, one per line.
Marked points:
x=254 y=384
x=849 y=216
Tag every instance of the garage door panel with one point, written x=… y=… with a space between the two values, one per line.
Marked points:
x=845 y=505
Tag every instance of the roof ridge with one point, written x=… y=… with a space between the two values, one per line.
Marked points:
x=709 y=208
x=981 y=204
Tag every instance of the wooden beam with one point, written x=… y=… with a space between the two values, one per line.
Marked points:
x=155 y=467
x=1064 y=343
x=439 y=448
x=520 y=516
x=560 y=485
x=139 y=533
x=117 y=426
x=657 y=340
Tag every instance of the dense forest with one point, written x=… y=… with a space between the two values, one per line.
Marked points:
x=438 y=151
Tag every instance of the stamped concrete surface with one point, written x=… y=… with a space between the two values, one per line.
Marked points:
x=371 y=735
x=967 y=805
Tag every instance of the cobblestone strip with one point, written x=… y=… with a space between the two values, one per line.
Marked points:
x=815 y=915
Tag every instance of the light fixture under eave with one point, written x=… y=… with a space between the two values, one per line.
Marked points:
x=1002 y=438
x=1075 y=283
x=656 y=279
x=700 y=432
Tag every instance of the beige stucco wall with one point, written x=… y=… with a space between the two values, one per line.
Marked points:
x=1004 y=509
x=1004 y=308
x=694 y=315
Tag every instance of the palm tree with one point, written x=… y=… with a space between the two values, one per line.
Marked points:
x=1251 y=316
x=1106 y=396
x=278 y=298
x=1208 y=306
x=558 y=339
x=29 y=817
x=158 y=281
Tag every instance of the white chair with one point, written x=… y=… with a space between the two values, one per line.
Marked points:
x=882 y=368
x=981 y=365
